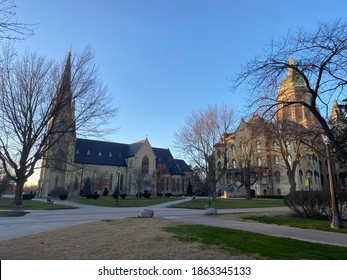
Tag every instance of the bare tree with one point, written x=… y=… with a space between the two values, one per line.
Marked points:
x=100 y=181
x=10 y=28
x=249 y=163
x=197 y=140
x=292 y=142
x=34 y=92
x=159 y=176
x=320 y=65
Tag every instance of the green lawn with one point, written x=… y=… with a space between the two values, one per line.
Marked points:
x=233 y=203
x=295 y=221
x=275 y=248
x=5 y=204
x=129 y=201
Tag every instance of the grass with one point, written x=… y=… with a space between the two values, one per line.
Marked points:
x=129 y=201
x=294 y=221
x=5 y=204
x=231 y=203
x=242 y=242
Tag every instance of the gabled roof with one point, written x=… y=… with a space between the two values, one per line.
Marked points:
x=183 y=166
x=96 y=152
x=164 y=156
x=100 y=152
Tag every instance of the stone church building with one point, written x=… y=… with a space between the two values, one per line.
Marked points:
x=130 y=168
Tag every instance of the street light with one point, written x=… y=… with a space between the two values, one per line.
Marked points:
x=336 y=217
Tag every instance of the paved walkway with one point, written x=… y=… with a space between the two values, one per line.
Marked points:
x=42 y=220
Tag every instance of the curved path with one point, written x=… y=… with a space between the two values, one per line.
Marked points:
x=43 y=220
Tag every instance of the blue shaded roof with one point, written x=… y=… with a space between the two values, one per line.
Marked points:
x=183 y=166
x=100 y=152
x=164 y=156
x=115 y=154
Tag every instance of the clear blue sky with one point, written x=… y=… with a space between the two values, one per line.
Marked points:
x=163 y=58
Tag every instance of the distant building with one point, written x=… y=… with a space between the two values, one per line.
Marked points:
x=252 y=139
x=130 y=168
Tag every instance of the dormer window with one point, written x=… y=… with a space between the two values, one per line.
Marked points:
x=99 y=154
x=110 y=154
x=77 y=152
x=88 y=153
x=120 y=155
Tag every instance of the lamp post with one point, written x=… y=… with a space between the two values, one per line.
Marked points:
x=336 y=217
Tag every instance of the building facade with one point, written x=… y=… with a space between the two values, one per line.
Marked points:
x=130 y=168
x=266 y=151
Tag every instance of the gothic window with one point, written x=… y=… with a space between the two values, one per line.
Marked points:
x=289 y=158
x=316 y=176
x=278 y=176
x=219 y=153
x=145 y=165
x=233 y=150
x=259 y=162
x=300 y=175
x=110 y=184
x=258 y=147
x=234 y=163
x=275 y=146
x=276 y=160
x=287 y=143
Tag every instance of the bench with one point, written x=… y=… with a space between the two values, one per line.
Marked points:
x=50 y=201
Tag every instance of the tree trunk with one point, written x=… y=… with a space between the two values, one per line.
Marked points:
x=17 y=201
x=292 y=182
x=248 y=192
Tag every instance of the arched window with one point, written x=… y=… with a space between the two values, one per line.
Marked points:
x=300 y=175
x=110 y=184
x=145 y=165
x=276 y=160
x=289 y=158
x=277 y=176
x=275 y=146
x=233 y=150
x=234 y=163
x=258 y=147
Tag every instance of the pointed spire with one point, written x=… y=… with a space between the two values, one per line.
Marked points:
x=64 y=90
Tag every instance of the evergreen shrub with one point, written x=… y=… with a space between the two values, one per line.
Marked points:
x=95 y=195
x=63 y=196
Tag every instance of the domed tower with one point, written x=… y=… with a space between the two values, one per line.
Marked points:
x=293 y=90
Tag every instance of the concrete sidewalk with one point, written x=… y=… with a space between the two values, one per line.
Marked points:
x=43 y=220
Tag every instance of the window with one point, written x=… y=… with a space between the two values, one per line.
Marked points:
x=277 y=176
x=276 y=160
x=233 y=150
x=233 y=163
x=275 y=146
x=110 y=181
x=258 y=147
x=300 y=175
x=145 y=165
x=289 y=158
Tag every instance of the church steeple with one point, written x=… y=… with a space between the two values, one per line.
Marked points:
x=61 y=128
x=64 y=90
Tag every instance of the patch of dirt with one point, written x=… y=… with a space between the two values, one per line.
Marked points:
x=124 y=239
